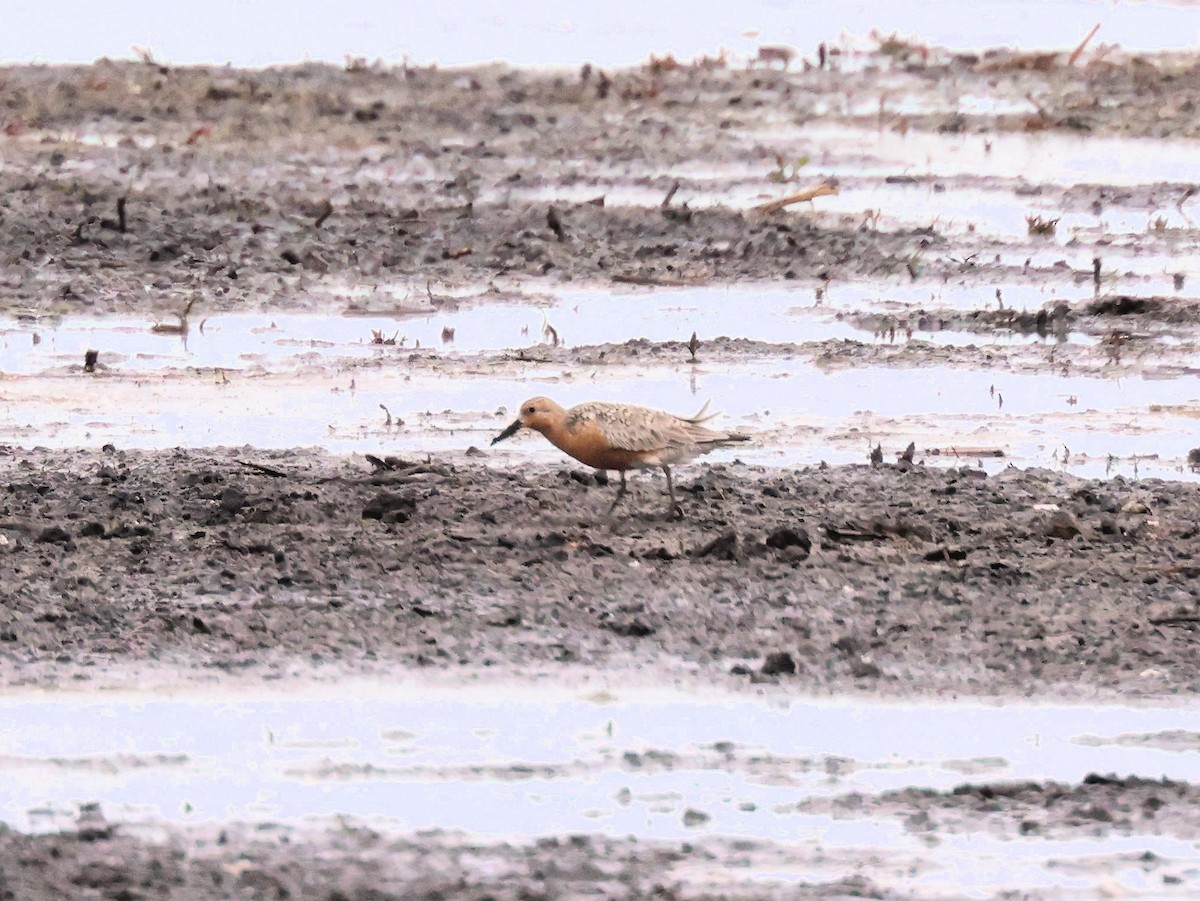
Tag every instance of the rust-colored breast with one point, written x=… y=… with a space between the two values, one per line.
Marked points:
x=585 y=441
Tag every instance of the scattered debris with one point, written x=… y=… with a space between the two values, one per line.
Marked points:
x=824 y=189
x=965 y=450
x=204 y=131
x=119 y=224
x=554 y=223
x=778 y=663
x=378 y=337
x=1078 y=51
x=549 y=332
x=175 y=328
x=390 y=420
x=787 y=170
x=1038 y=225
x=769 y=54
x=265 y=470
x=325 y=212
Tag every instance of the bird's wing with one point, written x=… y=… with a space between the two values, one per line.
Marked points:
x=633 y=428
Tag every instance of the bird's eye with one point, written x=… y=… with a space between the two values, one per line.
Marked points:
x=531 y=410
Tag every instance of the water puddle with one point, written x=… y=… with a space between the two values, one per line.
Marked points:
x=1043 y=158
x=441 y=380
x=276 y=342
x=519 y=763
x=802 y=411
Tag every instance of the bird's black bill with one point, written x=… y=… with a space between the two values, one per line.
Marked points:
x=507 y=433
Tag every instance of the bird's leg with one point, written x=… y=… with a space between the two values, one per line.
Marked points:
x=674 y=511
x=620 y=494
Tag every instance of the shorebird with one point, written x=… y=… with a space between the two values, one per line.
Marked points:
x=622 y=437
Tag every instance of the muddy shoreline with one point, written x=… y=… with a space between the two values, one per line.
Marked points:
x=926 y=581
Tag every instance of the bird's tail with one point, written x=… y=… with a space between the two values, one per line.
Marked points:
x=705 y=435
x=702 y=416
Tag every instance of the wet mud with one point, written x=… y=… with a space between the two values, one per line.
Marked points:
x=358 y=864
x=977 y=204
x=836 y=579
x=1097 y=806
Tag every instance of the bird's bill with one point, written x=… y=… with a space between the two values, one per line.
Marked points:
x=507 y=433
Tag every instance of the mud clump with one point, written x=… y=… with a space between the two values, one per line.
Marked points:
x=779 y=663
x=389 y=507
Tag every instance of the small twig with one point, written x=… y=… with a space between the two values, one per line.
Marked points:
x=166 y=328
x=266 y=470
x=822 y=190
x=650 y=281
x=965 y=452
x=1174 y=620
x=549 y=331
x=554 y=223
x=326 y=212
x=670 y=195
x=523 y=357
x=1078 y=51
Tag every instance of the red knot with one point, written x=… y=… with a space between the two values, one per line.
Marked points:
x=622 y=437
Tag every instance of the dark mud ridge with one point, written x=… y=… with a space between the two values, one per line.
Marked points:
x=1099 y=806
x=887 y=580
x=357 y=864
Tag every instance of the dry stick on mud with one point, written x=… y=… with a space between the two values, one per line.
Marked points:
x=554 y=223
x=965 y=451
x=822 y=190
x=650 y=281
x=180 y=328
x=119 y=224
x=1041 y=110
x=265 y=470
x=326 y=212
x=1078 y=51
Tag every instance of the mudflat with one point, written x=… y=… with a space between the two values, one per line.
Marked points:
x=173 y=197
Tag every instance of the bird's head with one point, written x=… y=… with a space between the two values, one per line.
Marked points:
x=537 y=413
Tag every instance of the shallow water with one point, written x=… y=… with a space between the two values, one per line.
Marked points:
x=276 y=341
x=516 y=763
x=1040 y=157
x=303 y=380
